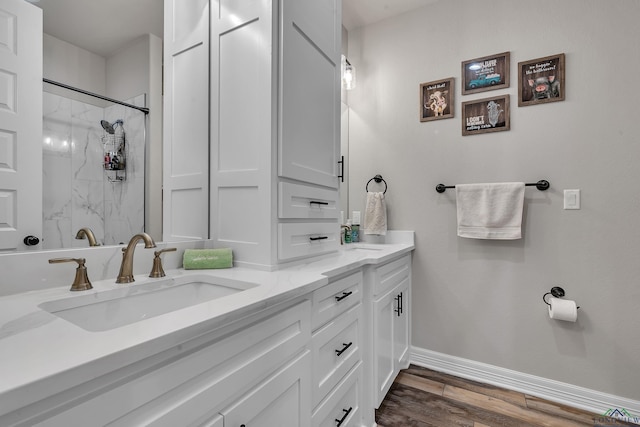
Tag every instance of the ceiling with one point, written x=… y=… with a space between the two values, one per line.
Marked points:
x=104 y=26
x=101 y=26
x=358 y=13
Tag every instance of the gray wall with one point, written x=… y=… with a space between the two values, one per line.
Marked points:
x=479 y=299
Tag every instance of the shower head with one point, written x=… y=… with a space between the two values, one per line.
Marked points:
x=107 y=127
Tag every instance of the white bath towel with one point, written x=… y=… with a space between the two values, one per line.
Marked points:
x=490 y=211
x=375 y=214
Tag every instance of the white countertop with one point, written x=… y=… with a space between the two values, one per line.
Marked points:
x=42 y=354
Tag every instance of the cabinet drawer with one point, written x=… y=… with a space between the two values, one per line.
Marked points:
x=298 y=240
x=335 y=349
x=391 y=274
x=303 y=201
x=182 y=389
x=342 y=404
x=335 y=298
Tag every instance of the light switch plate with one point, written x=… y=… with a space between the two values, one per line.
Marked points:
x=572 y=199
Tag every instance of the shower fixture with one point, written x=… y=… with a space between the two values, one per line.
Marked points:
x=109 y=127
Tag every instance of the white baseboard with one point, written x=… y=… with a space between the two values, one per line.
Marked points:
x=556 y=391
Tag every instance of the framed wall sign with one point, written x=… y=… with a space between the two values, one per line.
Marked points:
x=486 y=115
x=541 y=80
x=436 y=100
x=486 y=73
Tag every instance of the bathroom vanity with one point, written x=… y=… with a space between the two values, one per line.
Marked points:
x=313 y=344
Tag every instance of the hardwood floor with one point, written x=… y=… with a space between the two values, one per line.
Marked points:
x=421 y=397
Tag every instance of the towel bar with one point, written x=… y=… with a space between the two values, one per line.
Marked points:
x=378 y=178
x=541 y=185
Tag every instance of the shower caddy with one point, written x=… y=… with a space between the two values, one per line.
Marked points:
x=115 y=154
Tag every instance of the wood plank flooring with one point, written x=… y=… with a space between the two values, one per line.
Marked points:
x=421 y=397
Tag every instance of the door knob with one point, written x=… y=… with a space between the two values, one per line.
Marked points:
x=31 y=240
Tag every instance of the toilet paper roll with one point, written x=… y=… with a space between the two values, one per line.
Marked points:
x=563 y=309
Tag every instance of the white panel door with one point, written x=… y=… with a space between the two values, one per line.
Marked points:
x=401 y=326
x=186 y=118
x=20 y=124
x=309 y=138
x=282 y=400
x=384 y=311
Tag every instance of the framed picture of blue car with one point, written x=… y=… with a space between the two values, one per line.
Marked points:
x=541 y=80
x=485 y=73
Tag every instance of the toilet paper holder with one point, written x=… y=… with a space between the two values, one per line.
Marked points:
x=556 y=291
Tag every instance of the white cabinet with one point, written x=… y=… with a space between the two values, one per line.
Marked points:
x=275 y=128
x=282 y=400
x=342 y=407
x=336 y=348
x=391 y=337
x=389 y=293
x=185 y=134
x=258 y=367
x=309 y=144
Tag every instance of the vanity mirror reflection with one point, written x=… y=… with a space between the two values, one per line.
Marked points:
x=107 y=182
x=88 y=44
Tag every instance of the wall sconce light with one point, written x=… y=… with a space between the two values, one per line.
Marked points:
x=348 y=74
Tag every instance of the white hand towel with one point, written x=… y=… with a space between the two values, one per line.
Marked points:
x=375 y=214
x=490 y=211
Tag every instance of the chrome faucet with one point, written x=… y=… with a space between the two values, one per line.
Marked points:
x=86 y=232
x=126 y=268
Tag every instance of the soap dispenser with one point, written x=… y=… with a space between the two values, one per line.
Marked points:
x=355 y=227
x=347 y=232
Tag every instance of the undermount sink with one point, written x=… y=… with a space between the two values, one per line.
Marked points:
x=101 y=311
x=362 y=247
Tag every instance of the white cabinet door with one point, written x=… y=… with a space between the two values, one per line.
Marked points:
x=391 y=337
x=383 y=344
x=401 y=326
x=20 y=124
x=309 y=140
x=282 y=400
x=186 y=120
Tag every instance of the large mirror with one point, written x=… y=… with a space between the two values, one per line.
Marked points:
x=105 y=48
x=101 y=160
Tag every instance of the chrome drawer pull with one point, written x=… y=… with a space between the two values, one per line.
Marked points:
x=344 y=417
x=343 y=296
x=346 y=346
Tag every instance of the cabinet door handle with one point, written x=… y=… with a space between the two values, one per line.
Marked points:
x=316 y=202
x=341 y=162
x=343 y=296
x=344 y=417
x=398 y=299
x=346 y=346
x=318 y=238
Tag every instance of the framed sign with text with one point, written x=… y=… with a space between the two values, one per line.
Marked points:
x=436 y=100
x=486 y=115
x=541 y=80
x=485 y=73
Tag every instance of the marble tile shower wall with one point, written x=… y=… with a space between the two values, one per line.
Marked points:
x=76 y=190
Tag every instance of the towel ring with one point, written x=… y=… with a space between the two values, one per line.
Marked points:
x=378 y=178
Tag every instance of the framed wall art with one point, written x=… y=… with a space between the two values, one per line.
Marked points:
x=541 y=80
x=486 y=73
x=436 y=100
x=486 y=115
